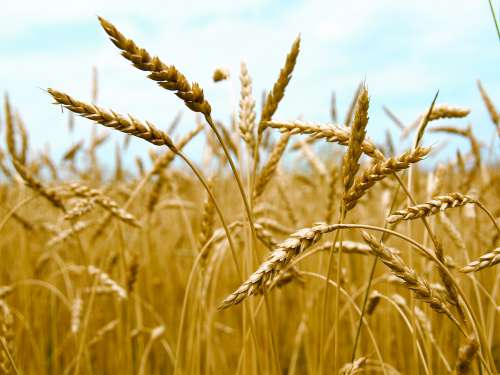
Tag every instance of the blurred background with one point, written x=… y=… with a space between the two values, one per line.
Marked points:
x=405 y=51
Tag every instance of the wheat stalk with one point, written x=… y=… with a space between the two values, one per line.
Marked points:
x=164 y=160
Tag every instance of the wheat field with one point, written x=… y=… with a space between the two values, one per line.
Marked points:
x=368 y=259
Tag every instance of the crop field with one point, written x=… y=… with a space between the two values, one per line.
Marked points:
x=367 y=257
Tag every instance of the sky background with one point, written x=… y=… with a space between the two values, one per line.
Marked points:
x=404 y=50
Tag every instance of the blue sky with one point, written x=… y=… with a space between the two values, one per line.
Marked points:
x=404 y=50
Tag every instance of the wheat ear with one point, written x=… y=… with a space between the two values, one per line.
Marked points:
x=439 y=111
x=7 y=365
x=380 y=170
x=466 y=355
x=487 y=260
x=450 y=130
x=328 y=132
x=9 y=129
x=167 y=76
x=66 y=233
x=36 y=185
x=246 y=124
x=128 y=125
x=296 y=244
x=76 y=313
x=269 y=168
x=278 y=90
x=437 y=204
x=355 y=367
x=495 y=117
x=103 y=201
x=350 y=165
x=411 y=280
x=80 y=208
x=207 y=224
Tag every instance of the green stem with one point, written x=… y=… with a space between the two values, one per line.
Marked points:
x=495 y=21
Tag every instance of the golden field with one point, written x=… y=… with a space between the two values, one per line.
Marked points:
x=367 y=260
